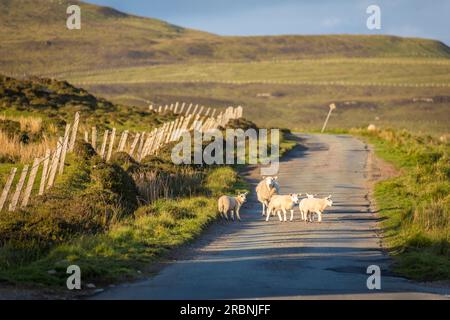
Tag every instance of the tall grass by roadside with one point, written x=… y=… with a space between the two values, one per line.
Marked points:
x=127 y=246
x=415 y=205
x=154 y=185
x=14 y=150
x=29 y=124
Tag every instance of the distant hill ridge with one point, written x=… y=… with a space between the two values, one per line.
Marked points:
x=35 y=40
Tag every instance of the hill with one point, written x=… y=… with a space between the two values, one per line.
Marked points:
x=56 y=101
x=386 y=80
x=35 y=40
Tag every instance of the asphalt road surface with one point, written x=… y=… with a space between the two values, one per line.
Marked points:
x=256 y=259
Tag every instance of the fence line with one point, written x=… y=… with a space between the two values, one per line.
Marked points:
x=141 y=145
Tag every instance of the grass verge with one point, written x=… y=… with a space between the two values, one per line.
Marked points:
x=128 y=246
x=415 y=205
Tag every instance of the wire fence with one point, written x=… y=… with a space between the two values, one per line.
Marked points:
x=17 y=192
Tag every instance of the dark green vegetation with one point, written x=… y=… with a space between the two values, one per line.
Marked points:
x=415 y=206
x=98 y=217
x=57 y=101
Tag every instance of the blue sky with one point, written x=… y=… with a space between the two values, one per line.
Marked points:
x=415 y=18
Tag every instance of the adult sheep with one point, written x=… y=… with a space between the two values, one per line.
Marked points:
x=265 y=190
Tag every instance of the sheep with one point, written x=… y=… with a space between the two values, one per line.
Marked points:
x=282 y=203
x=265 y=190
x=309 y=206
x=233 y=204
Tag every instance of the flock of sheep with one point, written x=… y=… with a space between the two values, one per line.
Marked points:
x=268 y=193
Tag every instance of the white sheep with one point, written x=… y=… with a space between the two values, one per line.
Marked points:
x=231 y=204
x=265 y=190
x=310 y=206
x=282 y=203
x=309 y=196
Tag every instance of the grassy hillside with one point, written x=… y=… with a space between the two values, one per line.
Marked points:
x=56 y=101
x=304 y=107
x=35 y=40
x=389 y=81
x=318 y=71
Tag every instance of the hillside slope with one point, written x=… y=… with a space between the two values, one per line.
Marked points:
x=56 y=101
x=35 y=40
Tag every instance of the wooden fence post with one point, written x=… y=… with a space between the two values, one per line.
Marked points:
x=15 y=198
x=105 y=141
x=188 y=109
x=94 y=138
x=195 y=110
x=152 y=142
x=54 y=164
x=74 y=132
x=44 y=172
x=123 y=141
x=111 y=144
x=201 y=110
x=141 y=145
x=64 y=149
x=182 y=107
x=8 y=184
x=30 y=183
x=133 y=145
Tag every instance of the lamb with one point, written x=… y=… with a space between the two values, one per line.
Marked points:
x=231 y=204
x=309 y=196
x=310 y=206
x=282 y=203
x=265 y=190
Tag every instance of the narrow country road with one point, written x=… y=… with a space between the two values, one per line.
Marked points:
x=255 y=259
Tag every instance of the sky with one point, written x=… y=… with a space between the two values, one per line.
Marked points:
x=412 y=18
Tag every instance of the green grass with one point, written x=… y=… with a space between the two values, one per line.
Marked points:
x=385 y=92
x=304 y=107
x=351 y=71
x=415 y=206
x=130 y=245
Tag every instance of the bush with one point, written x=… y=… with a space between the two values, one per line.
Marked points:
x=112 y=177
x=84 y=150
x=124 y=160
x=10 y=128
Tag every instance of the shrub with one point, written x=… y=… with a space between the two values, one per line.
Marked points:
x=113 y=178
x=84 y=150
